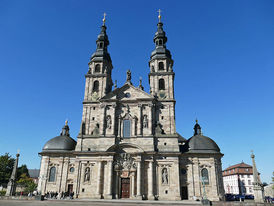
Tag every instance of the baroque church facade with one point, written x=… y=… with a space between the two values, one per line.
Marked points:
x=128 y=146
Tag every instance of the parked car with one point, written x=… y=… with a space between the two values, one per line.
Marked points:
x=239 y=197
x=249 y=197
x=229 y=197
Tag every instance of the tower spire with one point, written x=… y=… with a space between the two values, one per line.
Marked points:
x=100 y=67
x=160 y=40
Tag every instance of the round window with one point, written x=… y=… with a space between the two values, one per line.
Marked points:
x=71 y=169
x=127 y=95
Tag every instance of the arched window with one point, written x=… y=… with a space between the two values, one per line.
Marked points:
x=52 y=173
x=161 y=84
x=97 y=68
x=204 y=174
x=95 y=86
x=101 y=45
x=161 y=66
x=126 y=128
x=160 y=42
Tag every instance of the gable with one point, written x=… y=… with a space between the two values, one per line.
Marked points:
x=128 y=93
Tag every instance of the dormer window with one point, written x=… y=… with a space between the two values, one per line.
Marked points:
x=161 y=66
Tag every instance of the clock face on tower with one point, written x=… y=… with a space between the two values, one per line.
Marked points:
x=94 y=96
x=162 y=94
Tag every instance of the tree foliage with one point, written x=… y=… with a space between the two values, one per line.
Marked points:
x=273 y=181
x=22 y=170
x=6 y=166
x=26 y=182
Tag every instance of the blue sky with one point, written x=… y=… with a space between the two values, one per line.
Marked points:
x=223 y=59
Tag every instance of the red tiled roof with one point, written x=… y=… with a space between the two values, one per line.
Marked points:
x=240 y=165
x=240 y=168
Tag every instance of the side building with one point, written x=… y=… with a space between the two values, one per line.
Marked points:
x=238 y=179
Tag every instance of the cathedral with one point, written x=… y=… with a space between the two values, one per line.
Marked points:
x=128 y=146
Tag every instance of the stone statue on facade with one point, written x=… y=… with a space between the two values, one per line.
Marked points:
x=96 y=130
x=87 y=175
x=145 y=122
x=109 y=122
x=158 y=129
x=129 y=76
x=164 y=176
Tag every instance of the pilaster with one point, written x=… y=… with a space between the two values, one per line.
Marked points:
x=150 y=181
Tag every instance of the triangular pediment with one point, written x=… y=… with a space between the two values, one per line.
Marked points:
x=127 y=93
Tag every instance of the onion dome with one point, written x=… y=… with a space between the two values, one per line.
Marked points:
x=160 y=40
x=199 y=143
x=102 y=43
x=61 y=143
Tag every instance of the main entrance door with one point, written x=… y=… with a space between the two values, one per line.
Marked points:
x=125 y=185
x=70 y=188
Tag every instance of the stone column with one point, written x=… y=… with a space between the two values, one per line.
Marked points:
x=60 y=174
x=113 y=119
x=197 y=180
x=150 y=118
x=140 y=131
x=117 y=185
x=109 y=179
x=11 y=189
x=78 y=179
x=119 y=126
x=190 y=180
x=98 y=191
x=42 y=175
x=132 y=185
x=150 y=181
x=133 y=128
x=139 y=179
x=103 y=126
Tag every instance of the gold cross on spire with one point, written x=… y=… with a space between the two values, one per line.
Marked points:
x=104 y=19
x=159 y=16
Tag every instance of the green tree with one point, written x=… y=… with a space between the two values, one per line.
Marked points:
x=6 y=165
x=27 y=183
x=22 y=170
x=273 y=180
x=31 y=186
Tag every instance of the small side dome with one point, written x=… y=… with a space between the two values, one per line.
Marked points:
x=201 y=144
x=61 y=143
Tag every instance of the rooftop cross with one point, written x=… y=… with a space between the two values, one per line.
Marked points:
x=104 y=19
x=159 y=16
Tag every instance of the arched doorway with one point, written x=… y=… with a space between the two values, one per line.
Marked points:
x=125 y=175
